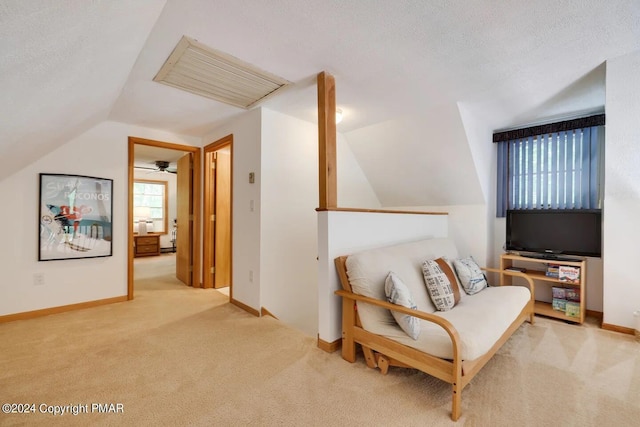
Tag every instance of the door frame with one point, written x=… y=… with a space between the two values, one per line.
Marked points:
x=195 y=244
x=208 y=229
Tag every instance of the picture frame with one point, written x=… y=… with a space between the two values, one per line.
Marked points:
x=75 y=217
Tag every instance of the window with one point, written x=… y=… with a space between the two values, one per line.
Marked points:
x=150 y=205
x=554 y=166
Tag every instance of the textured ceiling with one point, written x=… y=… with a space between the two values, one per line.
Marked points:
x=389 y=58
x=62 y=67
x=66 y=66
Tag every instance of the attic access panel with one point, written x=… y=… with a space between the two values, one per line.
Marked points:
x=201 y=70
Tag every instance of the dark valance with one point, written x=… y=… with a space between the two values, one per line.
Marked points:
x=583 y=122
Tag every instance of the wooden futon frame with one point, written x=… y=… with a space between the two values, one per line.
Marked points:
x=381 y=352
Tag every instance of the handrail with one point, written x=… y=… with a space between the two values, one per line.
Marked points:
x=387 y=211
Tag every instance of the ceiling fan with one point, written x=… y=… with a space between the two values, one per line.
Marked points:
x=161 y=166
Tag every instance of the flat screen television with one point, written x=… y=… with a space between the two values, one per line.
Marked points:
x=553 y=233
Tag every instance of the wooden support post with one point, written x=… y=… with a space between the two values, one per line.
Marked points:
x=327 y=141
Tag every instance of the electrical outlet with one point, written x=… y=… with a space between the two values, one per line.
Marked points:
x=251 y=276
x=251 y=206
x=38 y=279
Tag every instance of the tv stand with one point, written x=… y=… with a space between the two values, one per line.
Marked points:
x=535 y=268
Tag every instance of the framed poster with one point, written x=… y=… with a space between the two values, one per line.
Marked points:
x=75 y=217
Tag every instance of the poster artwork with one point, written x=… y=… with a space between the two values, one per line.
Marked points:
x=75 y=217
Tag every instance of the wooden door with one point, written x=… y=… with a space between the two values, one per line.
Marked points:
x=184 y=235
x=222 y=219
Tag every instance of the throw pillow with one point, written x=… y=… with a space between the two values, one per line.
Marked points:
x=398 y=293
x=441 y=284
x=471 y=276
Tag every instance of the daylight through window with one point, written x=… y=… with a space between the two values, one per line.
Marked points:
x=150 y=205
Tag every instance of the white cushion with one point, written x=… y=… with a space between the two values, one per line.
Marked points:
x=470 y=275
x=398 y=293
x=367 y=271
x=480 y=320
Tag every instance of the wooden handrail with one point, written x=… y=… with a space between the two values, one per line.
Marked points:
x=387 y=211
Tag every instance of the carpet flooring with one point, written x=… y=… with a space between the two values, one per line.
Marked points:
x=181 y=356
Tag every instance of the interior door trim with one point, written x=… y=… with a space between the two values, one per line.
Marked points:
x=197 y=186
x=207 y=248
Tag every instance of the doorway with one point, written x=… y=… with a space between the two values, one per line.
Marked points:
x=188 y=216
x=218 y=214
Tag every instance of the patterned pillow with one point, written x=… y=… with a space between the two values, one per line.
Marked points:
x=441 y=284
x=398 y=293
x=471 y=276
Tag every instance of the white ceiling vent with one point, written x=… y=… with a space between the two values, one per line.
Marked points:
x=204 y=71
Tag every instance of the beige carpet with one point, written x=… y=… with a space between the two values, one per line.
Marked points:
x=182 y=356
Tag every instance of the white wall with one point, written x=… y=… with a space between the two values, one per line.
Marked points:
x=276 y=244
x=354 y=190
x=288 y=243
x=479 y=130
x=102 y=152
x=466 y=226
x=342 y=233
x=622 y=191
x=418 y=160
x=247 y=205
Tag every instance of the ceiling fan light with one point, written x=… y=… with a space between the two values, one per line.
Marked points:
x=162 y=165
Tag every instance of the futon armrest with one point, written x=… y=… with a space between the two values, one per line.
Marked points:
x=443 y=323
x=514 y=273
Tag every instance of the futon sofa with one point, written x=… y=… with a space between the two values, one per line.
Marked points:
x=420 y=305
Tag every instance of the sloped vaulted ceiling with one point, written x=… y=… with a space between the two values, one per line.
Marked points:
x=402 y=69
x=62 y=66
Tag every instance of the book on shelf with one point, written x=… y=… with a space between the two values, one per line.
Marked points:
x=569 y=274
x=572 y=294
x=572 y=309
x=559 y=304
x=558 y=292
x=553 y=270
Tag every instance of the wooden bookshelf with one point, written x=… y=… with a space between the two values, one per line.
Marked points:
x=537 y=273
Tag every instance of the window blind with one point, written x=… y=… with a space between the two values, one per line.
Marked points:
x=555 y=170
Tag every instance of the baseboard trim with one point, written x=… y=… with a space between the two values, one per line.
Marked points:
x=245 y=307
x=616 y=328
x=329 y=347
x=265 y=312
x=61 y=309
x=595 y=315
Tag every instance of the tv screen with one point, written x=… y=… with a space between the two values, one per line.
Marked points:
x=555 y=232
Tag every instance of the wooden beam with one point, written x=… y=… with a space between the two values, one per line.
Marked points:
x=327 y=141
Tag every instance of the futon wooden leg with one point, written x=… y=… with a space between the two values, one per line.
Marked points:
x=383 y=364
x=369 y=357
x=456 y=407
x=348 y=348
x=348 y=321
x=533 y=313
